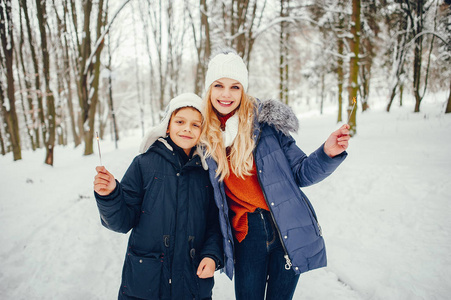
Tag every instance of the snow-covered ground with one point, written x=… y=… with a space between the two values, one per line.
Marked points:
x=385 y=215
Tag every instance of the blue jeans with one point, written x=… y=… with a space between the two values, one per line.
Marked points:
x=260 y=262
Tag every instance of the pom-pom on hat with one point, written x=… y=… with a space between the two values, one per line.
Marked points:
x=182 y=100
x=227 y=64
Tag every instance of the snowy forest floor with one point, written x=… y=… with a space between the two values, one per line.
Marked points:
x=385 y=215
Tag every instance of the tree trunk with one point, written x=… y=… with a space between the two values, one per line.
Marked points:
x=2 y=142
x=50 y=100
x=354 y=66
x=94 y=97
x=9 y=113
x=323 y=88
x=28 y=112
x=82 y=83
x=448 y=106
x=40 y=125
x=139 y=97
x=202 y=43
x=110 y=96
x=22 y=100
x=3 y=123
x=68 y=78
x=283 y=53
x=417 y=25
x=417 y=72
x=392 y=96
x=340 y=71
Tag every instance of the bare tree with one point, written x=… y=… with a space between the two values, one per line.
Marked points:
x=41 y=124
x=242 y=24
x=49 y=142
x=202 y=42
x=92 y=73
x=9 y=107
x=140 y=98
x=368 y=49
x=447 y=46
x=340 y=64
x=30 y=116
x=354 y=65
x=284 y=51
x=396 y=53
x=22 y=100
x=2 y=142
x=330 y=18
x=67 y=72
x=416 y=12
x=110 y=96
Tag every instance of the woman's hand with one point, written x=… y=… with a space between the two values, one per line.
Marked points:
x=337 y=141
x=104 y=182
x=206 y=268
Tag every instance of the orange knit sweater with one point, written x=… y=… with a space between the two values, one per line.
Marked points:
x=244 y=195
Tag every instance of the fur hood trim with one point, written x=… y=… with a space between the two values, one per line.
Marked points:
x=278 y=115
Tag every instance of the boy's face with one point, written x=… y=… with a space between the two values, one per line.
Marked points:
x=185 y=128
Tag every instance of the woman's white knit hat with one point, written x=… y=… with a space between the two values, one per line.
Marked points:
x=227 y=64
x=182 y=100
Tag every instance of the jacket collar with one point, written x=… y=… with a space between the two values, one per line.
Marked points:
x=162 y=143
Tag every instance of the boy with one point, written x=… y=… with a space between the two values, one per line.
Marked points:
x=165 y=197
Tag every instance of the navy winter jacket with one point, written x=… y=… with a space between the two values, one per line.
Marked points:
x=282 y=169
x=169 y=207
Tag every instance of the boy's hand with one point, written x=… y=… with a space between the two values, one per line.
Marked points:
x=206 y=268
x=104 y=182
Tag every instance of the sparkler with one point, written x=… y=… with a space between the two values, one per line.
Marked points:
x=352 y=109
x=98 y=145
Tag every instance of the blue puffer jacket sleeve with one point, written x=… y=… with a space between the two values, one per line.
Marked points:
x=311 y=169
x=119 y=211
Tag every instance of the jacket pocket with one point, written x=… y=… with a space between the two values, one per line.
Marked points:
x=312 y=216
x=141 y=277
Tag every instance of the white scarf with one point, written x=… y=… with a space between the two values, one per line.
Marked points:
x=231 y=130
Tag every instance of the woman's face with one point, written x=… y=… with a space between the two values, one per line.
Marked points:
x=226 y=95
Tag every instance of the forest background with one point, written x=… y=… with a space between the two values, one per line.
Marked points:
x=72 y=68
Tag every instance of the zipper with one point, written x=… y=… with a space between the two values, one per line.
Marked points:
x=288 y=263
x=227 y=221
x=320 y=230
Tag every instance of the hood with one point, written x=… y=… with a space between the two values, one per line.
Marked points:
x=278 y=115
x=198 y=151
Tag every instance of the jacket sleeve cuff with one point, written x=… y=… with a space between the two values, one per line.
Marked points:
x=111 y=196
x=322 y=154
x=216 y=260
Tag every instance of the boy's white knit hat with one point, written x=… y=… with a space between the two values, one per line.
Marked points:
x=182 y=100
x=227 y=64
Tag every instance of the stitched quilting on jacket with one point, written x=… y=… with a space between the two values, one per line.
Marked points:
x=173 y=219
x=282 y=169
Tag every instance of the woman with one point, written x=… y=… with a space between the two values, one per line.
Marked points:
x=269 y=227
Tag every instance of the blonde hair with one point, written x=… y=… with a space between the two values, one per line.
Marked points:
x=240 y=155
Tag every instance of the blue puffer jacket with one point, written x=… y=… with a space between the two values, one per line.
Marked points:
x=174 y=219
x=282 y=169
